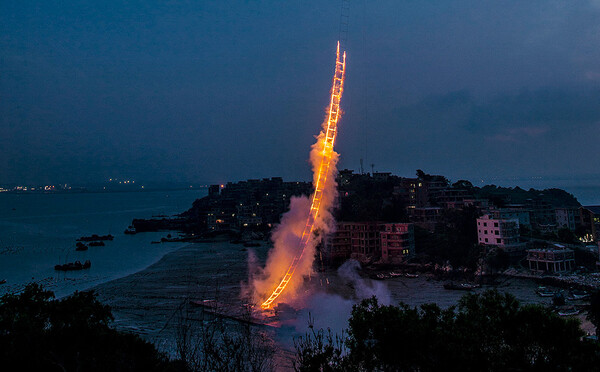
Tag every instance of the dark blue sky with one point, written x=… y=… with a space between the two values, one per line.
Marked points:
x=213 y=91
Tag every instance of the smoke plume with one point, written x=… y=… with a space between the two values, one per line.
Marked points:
x=287 y=235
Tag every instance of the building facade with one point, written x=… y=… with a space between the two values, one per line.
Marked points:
x=551 y=260
x=568 y=218
x=370 y=241
x=590 y=220
x=500 y=233
x=522 y=215
x=397 y=242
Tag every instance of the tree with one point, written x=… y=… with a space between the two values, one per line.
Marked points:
x=484 y=332
x=462 y=184
x=206 y=342
x=594 y=311
x=566 y=236
x=40 y=333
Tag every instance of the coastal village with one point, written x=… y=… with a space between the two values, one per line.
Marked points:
x=422 y=223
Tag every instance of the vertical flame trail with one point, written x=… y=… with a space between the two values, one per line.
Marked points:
x=326 y=156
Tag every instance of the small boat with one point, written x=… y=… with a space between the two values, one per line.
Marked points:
x=81 y=247
x=96 y=244
x=394 y=274
x=2 y=281
x=382 y=276
x=130 y=230
x=95 y=237
x=579 y=295
x=409 y=275
x=544 y=292
x=568 y=312
x=72 y=266
x=155 y=242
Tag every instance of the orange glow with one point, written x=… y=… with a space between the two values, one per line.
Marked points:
x=326 y=155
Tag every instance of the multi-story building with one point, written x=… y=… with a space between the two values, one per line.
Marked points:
x=426 y=217
x=568 y=218
x=522 y=215
x=249 y=203
x=500 y=233
x=370 y=241
x=480 y=204
x=365 y=239
x=543 y=216
x=338 y=245
x=590 y=220
x=397 y=242
x=553 y=260
x=213 y=190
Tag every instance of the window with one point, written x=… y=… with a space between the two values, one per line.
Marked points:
x=495 y=224
x=480 y=231
x=486 y=240
x=485 y=224
x=498 y=240
x=497 y=232
x=485 y=231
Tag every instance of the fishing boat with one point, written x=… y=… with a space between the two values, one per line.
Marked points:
x=409 y=275
x=568 y=312
x=81 y=247
x=544 y=292
x=130 y=230
x=95 y=237
x=73 y=266
x=380 y=276
x=579 y=295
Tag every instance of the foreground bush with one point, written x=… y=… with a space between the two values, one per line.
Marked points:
x=40 y=333
x=486 y=332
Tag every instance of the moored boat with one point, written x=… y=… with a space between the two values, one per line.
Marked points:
x=579 y=295
x=544 y=292
x=568 y=312
x=72 y=266
x=95 y=237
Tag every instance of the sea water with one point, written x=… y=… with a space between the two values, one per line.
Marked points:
x=38 y=231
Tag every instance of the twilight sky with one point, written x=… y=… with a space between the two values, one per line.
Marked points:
x=211 y=91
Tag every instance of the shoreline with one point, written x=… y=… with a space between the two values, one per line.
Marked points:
x=147 y=302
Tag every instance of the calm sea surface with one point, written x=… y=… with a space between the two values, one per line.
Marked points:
x=38 y=231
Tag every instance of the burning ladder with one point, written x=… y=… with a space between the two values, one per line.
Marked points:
x=326 y=154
